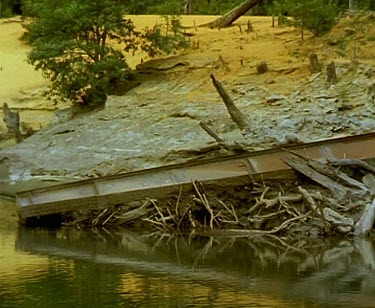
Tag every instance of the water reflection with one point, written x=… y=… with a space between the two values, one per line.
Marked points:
x=102 y=268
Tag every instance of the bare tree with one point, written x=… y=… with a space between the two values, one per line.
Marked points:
x=188 y=7
x=351 y=6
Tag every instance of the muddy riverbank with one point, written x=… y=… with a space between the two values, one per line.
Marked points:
x=157 y=122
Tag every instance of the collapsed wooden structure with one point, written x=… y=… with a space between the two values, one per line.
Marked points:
x=158 y=182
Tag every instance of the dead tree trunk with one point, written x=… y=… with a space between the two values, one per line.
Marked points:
x=236 y=115
x=230 y=17
x=331 y=73
x=351 y=6
x=188 y=7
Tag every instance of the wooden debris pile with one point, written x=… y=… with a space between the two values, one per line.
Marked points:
x=340 y=204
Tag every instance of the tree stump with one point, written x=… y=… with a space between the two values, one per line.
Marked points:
x=12 y=122
x=371 y=91
x=331 y=73
x=315 y=66
x=249 y=26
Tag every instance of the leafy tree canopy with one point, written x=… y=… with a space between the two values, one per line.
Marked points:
x=74 y=45
x=318 y=16
x=9 y=8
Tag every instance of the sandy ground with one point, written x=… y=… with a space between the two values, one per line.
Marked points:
x=21 y=85
x=231 y=53
x=15 y=74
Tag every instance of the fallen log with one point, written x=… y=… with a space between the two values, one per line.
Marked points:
x=230 y=17
x=300 y=165
x=360 y=188
x=357 y=163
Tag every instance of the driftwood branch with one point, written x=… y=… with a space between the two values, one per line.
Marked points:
x=236 y=115
x=354 y=163
x=335 y=174
x=369 y=181
x=209 y=131
x=204 y=201
x=328 y=215
x=338 y=175
x=366 y=222
x=135 y=214
x=299 y=165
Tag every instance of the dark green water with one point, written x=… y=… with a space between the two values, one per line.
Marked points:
x=71 y=268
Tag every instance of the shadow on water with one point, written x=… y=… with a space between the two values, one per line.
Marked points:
x=323 y=273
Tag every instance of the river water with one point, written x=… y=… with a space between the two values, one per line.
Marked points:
x=72 y=268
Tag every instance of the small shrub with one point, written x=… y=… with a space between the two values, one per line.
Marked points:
x=262 y=67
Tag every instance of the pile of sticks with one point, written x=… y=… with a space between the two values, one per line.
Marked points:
x=339 y=204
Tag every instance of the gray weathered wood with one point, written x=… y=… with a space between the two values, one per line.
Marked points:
x=366 y=222
x=336 y=218
x=356 y=187
x=354 y=163
x=338 y=175
x=299 y=165
x=209 y=131
x=134 y=214
x=236 y=115
x=12 y=122
x=369 y=181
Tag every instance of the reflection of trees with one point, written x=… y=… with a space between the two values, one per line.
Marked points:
x=297 y=268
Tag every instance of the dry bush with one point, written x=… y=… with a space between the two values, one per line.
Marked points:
x=262 y=67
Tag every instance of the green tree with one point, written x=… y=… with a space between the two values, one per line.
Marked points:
x=9 y=8
x=318 y=16
x=74 y=45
